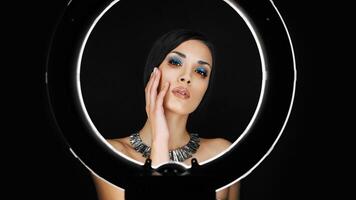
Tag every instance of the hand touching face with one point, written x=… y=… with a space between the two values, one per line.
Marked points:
x=187 y=68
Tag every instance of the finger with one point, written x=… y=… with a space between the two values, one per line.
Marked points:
x=153 y=92
x=162 y=94
x=152 y=103
x=147 y=91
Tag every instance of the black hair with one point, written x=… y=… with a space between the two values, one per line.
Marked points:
x=166 y=43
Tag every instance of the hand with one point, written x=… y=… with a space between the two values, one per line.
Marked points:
x=156 y=117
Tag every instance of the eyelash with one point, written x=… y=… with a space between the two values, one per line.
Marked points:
x=178 y=62
x=175 y=61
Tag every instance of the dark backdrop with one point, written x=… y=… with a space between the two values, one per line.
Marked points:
x=43 y=169
x=116 y=51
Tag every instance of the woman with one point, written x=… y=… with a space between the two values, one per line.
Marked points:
x=177 y=76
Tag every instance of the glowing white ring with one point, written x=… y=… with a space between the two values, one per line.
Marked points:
x=264 y=78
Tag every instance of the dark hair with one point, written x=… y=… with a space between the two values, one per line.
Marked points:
x=166 y=43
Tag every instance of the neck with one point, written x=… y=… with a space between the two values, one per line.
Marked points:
x=178 y=135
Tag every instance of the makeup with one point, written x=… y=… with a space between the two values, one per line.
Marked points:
x=174 y=60
x=202 y=71
x=181 y=92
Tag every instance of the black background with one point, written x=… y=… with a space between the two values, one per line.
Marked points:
x=40 y=167
x=115 y=54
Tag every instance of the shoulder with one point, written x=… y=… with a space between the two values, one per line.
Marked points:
x=214 y=146
x=218 y=143
x=120 y=144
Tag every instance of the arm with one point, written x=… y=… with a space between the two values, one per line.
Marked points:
x=234 y=191
x=157 y=119
x=104 y=189
x=107 y=191
x=229 y=193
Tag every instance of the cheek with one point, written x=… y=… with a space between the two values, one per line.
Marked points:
x=167 y=75
x=200 y=91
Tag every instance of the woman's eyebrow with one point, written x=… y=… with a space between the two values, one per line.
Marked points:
x=184 y=56
x=180 y=54
x=204 y=63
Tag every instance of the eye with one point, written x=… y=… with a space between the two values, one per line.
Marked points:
x=202 y=71
x=175 y=61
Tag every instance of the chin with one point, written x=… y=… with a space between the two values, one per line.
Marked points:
x=178 y=108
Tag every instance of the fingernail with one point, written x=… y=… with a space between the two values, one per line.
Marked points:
x=154 y=70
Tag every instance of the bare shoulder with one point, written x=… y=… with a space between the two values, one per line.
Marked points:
x=120 y=144
x=214 y=146
x=217 y=143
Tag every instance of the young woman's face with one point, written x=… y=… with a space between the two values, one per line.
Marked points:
x=187 y=66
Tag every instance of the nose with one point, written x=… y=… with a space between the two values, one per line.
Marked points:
x=185 y=78
x=185 y=75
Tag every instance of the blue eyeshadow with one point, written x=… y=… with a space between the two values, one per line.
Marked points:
x=202 y=70
x=175 y=61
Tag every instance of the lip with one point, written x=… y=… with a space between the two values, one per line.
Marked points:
x=181 y=92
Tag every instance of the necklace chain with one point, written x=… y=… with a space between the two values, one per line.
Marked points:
x=180 y=154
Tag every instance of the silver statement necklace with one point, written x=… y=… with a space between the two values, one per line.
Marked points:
x=180 y=154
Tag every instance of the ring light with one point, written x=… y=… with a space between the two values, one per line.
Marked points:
x=250 y=149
